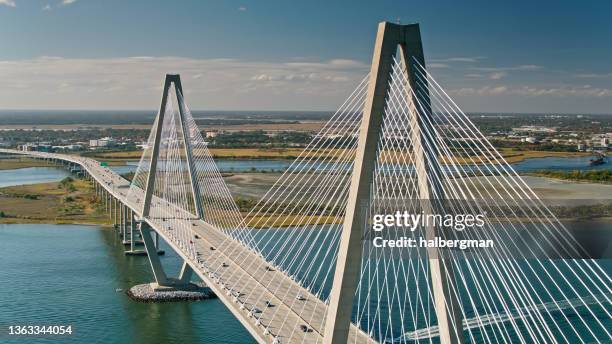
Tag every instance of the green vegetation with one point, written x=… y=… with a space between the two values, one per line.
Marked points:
x=543 y=147
x=68 y=184
x=11 y=163
x=259 y=138
x=69 y=201
x=245 y=204
x=599 y=176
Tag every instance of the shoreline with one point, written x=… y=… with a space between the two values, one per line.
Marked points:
x=22 y=221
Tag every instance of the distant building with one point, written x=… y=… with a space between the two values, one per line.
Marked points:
x=32 y=147
x=534 y=129
x=103 y=142
x=67 y=148
x=530 y=139
x=27 y=147
x=211 y=134
x=581 y=147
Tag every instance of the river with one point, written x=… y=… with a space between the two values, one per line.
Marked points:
x=49 y=174
x=31 y=175
x=77 y=275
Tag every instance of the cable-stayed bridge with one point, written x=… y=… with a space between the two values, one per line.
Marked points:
x=307 y=265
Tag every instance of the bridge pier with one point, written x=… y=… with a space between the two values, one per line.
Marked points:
x=162 y=281
x=128 y=236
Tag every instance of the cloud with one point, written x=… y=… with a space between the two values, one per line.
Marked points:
x=530 y=91
x=594 y=76
x=437 y=65
x=51 y=82
x=528 y=67
x=68 y=2
x=47 y=7
x=135 y=83
x=242 y=8
x=497 y=75
x=465 y=59
x=9 y=3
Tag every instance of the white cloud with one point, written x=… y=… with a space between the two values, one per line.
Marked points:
x=50 y=82
x=497 y=75
x=47 y=7
x=530 y=91
x=135 y=83
x=9 y=3
x=511 y=68
x=594 y=76
x=466 y=59
x=242 y=8
x=68 y=2
x=437 y=65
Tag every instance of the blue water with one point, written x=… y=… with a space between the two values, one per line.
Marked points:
x=225 y=165
x=560 y=164
x=31 y=175
x=77 y=275
x=34 y=175
x=528 y=165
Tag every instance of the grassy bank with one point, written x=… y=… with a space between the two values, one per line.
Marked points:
x=513 y=155
x=510 y=154
x=69 y=201
x=18 y=162
x=223 y=153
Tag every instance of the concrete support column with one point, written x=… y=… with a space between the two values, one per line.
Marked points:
x=131 y=230
x=115 y=212
x=158 y=271
x=186 y=273
x=121 y=219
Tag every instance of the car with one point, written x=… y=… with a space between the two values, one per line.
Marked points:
x=305 y=328
x=299 y=297
x=269 y=304
x=269 y=268
x=212 y=248
x=224 y=265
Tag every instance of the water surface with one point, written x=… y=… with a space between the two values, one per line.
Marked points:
x=31 y=175
x=70 y=274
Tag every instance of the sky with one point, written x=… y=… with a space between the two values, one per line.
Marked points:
x=491 y=56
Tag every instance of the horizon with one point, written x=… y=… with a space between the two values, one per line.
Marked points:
x=230 y=111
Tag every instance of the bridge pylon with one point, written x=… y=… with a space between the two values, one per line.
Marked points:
x=391 y=40
x=177 y=184
x=161 y=279
x=172 y=80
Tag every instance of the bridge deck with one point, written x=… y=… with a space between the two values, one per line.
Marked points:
x=245 y=269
